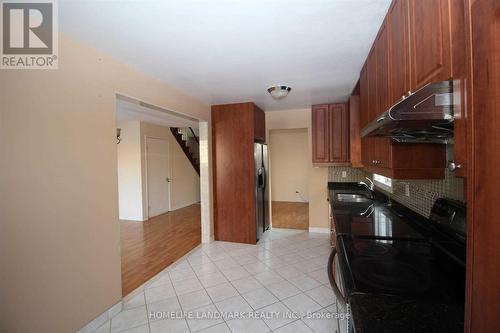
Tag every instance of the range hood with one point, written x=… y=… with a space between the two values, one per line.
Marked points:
x=425 y=116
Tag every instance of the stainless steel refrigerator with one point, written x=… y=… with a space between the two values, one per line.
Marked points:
x=261 y=189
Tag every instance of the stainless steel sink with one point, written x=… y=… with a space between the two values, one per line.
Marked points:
x=346 y=197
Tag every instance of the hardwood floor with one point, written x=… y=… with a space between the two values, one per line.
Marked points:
x=148 y=247
x=290 y=215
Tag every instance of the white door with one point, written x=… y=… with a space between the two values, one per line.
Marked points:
x=157 y=176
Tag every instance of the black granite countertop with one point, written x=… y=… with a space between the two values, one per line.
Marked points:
x=380 y=218
x=376 y=218
x=385 y=313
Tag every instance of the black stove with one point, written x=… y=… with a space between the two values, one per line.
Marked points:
x=392 y=267
x=415 y=268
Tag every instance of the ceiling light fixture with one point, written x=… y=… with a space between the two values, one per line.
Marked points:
x=279 y=92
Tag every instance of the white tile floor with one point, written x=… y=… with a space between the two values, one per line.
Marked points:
x=284 y=274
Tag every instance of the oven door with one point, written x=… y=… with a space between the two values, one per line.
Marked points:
x=337 y=283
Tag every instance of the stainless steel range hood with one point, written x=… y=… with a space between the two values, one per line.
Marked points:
x=425 y=116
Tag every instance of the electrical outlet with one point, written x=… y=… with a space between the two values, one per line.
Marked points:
x=407 y=190
x=344 y=174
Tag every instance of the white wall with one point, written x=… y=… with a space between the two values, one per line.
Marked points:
x=130 y=194
x=318 y=177
x=290 y=164
x=185 y=185
x=59 y=231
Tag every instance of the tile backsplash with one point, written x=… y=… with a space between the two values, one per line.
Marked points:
x=423 y=193
x=345 y=174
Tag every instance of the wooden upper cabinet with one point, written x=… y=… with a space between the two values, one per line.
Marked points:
x=382 y=61
x=339 y=133
x=330 y=134
x=364 y=116
x=259 y=125
x=399 y=51
x=354 y=129
x=419 y=42
x=430 y=43
x=371 y=67
x=320 y=134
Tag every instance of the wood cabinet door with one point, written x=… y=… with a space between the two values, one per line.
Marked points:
x=259 y=125
x=367 y=151
x=339 y=133
x=354 y=136
x=364 y=115
x=430 y=42
x=320 y=134
x=383 y=152
x=382 y=61
x=399 y=50
x=372 y=86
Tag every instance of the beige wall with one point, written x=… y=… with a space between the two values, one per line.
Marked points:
x=318 y=179
x=185 y=185
x=59 y=231
x=130 y=194
x=289 y=164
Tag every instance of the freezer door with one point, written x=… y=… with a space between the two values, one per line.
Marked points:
x=259 y=190
x=265 y=162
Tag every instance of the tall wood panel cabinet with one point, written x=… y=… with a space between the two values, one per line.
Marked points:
x=330 y=134
x=235 y=128
x=483 y=230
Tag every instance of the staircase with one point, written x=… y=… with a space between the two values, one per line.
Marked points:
x=190 y=145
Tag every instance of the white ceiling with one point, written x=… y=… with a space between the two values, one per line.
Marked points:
x=127 y=111
x=224 y=51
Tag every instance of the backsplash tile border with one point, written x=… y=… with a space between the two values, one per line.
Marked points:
x=423 y=193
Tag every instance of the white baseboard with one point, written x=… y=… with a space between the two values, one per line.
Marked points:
x=319 y=230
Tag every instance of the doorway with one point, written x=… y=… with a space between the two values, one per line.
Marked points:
x=158 y=176
x=159 y=188
x=290 y=170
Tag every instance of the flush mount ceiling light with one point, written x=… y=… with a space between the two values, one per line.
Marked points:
x=279 y=92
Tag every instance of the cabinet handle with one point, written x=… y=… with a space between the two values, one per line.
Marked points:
x=452 y=166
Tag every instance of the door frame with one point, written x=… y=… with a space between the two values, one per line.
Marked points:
x=169 y=172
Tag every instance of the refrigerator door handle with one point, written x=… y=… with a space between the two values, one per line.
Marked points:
x=261 y=178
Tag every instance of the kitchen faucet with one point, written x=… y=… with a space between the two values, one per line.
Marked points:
x=371 y=186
